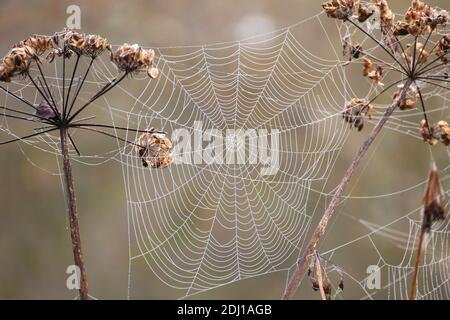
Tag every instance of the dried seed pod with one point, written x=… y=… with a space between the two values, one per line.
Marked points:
x=4 y=75
x=355 y=111
x=88 y=45
x=367 y=65
x=435 y=133
x=433 y=200
x=134 y=59
x=410 y=99
x=154 y=148
x=327 y=288
x=387 y=17
x=444 y=131
x=442 y=48
x=421 y=18
x=364 y=12
x=429 y=133
x=339 y=9
x=341 y=284
x=376 y=75
x=16 y=62
x=40 y=44
x=401 y=28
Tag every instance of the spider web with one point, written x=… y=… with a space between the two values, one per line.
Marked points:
x=201 y=226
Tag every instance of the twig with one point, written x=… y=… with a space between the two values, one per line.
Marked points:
x=412 y=295
x=80 y=85
x=70 y=86
x=73 y=215
x=27 y=136
x=319 y=277
x=102 y=91
x=28 y=103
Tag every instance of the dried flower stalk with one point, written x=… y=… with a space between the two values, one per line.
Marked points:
x=433 y=210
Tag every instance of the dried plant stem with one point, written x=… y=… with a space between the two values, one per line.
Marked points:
x=73 y=215
x=302 y=263
x=320 y=278
x=412 y=295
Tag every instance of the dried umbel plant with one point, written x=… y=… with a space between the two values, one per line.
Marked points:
x=25 y=60
x=433 y=210
x=417 y=47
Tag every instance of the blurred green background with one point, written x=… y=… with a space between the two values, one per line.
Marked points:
x=35 y=247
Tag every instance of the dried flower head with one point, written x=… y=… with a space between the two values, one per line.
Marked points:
x=444 y=132
x=428 y=133
x=440 y=132
x=420 y=53
x=339 y=9
x=373 y=74
x=387 y=17
x=353 y=51
x=433 y=200
x=421 y=18
x=410 y=99
x=40 y=44
x=364 y=12
x=154 y=148
x=355 y=111
x=443 y=48
x=134 y=59
x=367 y=65
x=16 y=62
x=4 y=75
x=86 y=44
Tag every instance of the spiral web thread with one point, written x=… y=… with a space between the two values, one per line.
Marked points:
x=202 y=226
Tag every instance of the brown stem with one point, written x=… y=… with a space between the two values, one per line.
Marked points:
x=320 y=229
x=73 y=215
x=412 y=295
x=320 y=278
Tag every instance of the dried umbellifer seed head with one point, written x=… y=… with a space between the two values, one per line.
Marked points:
x=88 y=45
x=134 y=59
x=339 y=9
x=443 y=48
x=154 y=148
x=4 y=75
x=364 y=12
x=428 y=133
x=17 y=61
x=355 y=111
x=367 y=65
x=40 y=44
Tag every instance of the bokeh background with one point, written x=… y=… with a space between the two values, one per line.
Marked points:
x=35 y=247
